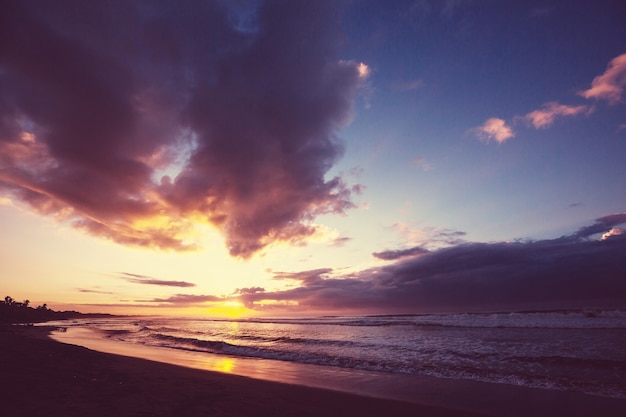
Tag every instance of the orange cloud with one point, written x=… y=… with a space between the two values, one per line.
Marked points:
x=544 y=117
x=610 y=85
x=615 y=231
x=494 y=129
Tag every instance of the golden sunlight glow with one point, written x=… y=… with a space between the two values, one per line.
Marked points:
x=233 y=304
x=153 y=222
x=225 y=365
x=230 y=309
x=275 y=303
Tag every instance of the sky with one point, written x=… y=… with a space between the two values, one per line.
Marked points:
x=242 y=158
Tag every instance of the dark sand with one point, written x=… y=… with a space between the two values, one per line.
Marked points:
x=41 y=377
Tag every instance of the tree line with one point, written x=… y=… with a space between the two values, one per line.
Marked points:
x=12 y=311
x=9 y=301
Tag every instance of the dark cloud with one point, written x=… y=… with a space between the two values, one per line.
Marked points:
x=86 y=290
x=390 y=255
x=427 y=238
x=141 y=279
x=340 y=241
x=308 y=278
x=569 y=272
x=251 y=290
x=186 y=299
x=133 y=120
x=601 y=225
x=448 y=237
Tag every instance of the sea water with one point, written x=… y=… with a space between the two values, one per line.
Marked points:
x=576 y=351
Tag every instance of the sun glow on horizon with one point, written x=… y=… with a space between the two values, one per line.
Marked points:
x=230 y=309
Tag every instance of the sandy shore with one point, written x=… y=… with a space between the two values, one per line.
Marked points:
x=41 y=377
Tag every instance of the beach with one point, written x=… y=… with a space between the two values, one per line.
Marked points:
x=42 y=376
x=47 y=378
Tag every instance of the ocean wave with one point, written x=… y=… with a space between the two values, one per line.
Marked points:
x=221 y=347
x=455 y=366
x=567 y=350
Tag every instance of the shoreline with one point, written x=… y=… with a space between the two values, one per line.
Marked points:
x=47 y=370
x=46 y=377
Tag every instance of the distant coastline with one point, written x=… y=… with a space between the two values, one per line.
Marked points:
x=16 y=312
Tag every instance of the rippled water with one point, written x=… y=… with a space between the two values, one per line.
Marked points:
x=581 y=351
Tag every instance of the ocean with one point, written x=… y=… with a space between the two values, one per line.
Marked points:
x=576 y=351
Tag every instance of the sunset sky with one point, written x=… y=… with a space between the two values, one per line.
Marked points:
x=313 y=157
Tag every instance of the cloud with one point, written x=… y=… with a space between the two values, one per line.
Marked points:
x=186 y=299
x=340 y=241
x=613 y=232
x=390 y=255
x=310 y=277
x=601 y=225
x=428 y=237
x=494 y=129
x=86 y=290
x=610 y=85
x=176 y=115
x=544 y=117
x=445 y=236
x=141 y=279
x=251 y=290
x=573 y=271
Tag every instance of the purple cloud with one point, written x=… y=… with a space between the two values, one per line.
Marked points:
x=390 y=255
x=251 y=290
x=142 y=279
x=340 y=241
x=446 y=236
x=601 y=225
x=86 y=290
x=569 y=272
x=136 y=128
x=186 y=299
x=309 y=278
